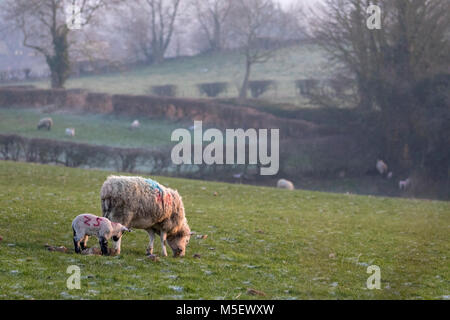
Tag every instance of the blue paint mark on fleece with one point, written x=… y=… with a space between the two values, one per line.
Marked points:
x=154 y=185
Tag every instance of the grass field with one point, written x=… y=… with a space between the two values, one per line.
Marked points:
x=90 y=128
x=289 y=64
x=290 y=245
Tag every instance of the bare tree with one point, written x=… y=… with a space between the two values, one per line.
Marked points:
x=44 y=26
x=390 y=64
x=150 y=26
x=408 y=29
x=212 y=16
x=256 y=29
x=162 y=25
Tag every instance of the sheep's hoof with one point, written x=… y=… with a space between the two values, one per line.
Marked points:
x=153 y=257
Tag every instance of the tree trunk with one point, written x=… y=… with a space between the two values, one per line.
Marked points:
x=217 y=42
x=59 y=63
x=56 y=80
x=244 y=88
x=158 y=55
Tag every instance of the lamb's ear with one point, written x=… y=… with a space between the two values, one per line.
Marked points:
x=126 y=229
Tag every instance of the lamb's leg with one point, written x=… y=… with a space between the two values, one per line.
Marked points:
x=84 y=241
x=117 y=245
x=103 y=245
x=76 y=241
x=76 y=244
x=151 y=234
x=163 y=237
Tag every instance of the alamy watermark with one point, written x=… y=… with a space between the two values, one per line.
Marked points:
x=374 y=281
x=73 y=282
x=258 y=147
x=73 y=16
x=374 y=20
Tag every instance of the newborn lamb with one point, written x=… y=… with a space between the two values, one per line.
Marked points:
x=86 y=225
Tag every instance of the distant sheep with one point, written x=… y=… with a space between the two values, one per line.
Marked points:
x=135 y=125
x=86 y=225
x=404 y=184
x=381 y=167
x=285 y=184
x=70 y=132
x=45 y=123
x=142 y=203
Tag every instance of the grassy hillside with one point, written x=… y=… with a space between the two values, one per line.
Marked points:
x=290 y=245
x=289 y=64
x=89 y=128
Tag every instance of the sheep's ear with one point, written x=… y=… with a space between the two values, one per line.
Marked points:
x=126 y=229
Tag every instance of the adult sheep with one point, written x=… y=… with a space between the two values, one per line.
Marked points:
x=285 y=184
x=135 y=125
x=381 y=167
x=45 y=123
x=141 y=203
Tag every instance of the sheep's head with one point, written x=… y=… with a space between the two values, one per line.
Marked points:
x=179 y=241
x=118 y=231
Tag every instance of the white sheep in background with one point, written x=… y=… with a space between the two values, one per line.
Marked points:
x=85 y=225
x=135 y=125
x=238 y=175
x=45 y=123
x=70 y=132
x=390 y=175
x=404 y=184
x=381 y=167
x=142 y=203
x=285 y=184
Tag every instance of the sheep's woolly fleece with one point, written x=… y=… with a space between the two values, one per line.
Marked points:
x=285 y=184
x=143 y=204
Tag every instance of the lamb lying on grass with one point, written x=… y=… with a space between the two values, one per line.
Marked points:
x=145 y=204
x=86 y=225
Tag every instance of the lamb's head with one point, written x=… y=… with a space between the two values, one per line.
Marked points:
x=118 y=230
x=179 y=240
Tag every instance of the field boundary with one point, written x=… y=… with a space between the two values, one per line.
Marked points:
x=73 y=154
x=158 y=160
x=210 y=112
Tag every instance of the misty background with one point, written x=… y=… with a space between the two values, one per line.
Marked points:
x=345 y=96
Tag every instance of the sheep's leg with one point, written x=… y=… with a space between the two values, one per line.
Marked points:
x=125 y=219
x=117 y=245
x=84 y=241
x=151 y=234
x=104 y=245
x=76 y=241
x=76 y=244
x=163 y=237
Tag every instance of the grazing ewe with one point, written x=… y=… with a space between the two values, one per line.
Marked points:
x=285 y=184
x=381 y=167
x=86 y=225
x=142 y=203
x=135 y=125
x=70 y=132
x=404 y=184
x=45 y=123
